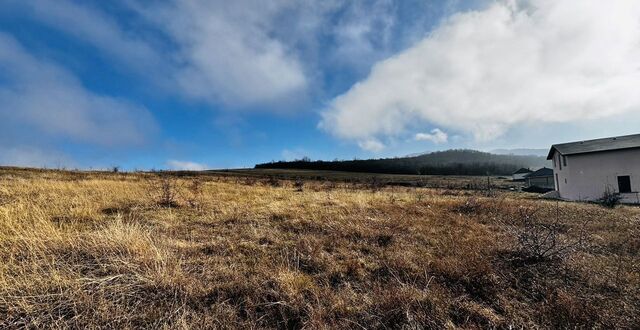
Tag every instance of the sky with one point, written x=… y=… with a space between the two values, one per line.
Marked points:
x=197 y=84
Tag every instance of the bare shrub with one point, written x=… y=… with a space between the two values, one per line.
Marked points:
x=330 y=185
x=471 y=205
x=164 y=192
x=449 y=192
x=610 y=199
x=375 y=184
x=196 y=197
x=299 y=185
x=489 y=191
x=540 y=238
x=249 y=181
x=274 y=182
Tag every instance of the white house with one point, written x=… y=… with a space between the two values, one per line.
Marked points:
x=520 y=174
x=585 y=170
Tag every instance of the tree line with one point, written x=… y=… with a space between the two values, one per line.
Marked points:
x=450 y=162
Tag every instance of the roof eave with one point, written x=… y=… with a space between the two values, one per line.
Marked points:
x=588 y=152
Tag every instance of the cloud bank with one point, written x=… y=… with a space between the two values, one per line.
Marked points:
x=29 y=156
x=483 y=72
x=243 y=54
x=92 y=26
x=436 y=136
x=227 y=52
x=44 y=100
x=186 y=165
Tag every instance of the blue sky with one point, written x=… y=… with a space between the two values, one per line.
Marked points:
x=216 y=84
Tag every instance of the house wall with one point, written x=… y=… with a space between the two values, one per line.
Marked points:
x=588 y=176
x=542 y=182
x=519 y=176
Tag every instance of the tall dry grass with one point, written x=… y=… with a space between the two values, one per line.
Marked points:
x=107 y=251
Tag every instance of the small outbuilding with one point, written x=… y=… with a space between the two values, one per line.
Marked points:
x=587 y=170
x=542 y=178
x=520 y=174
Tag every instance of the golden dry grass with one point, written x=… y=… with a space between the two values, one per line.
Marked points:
x=100 y=251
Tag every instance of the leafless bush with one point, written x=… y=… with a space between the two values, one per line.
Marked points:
x=542 y=239
x=330 y=185
x=196 y=197
x=489 y=192
x=274 y=182
x=375 y=184
x=249 y=181
x=449 y=192
x=471 y=205
x=299 y=185
x=165 y=192
x=610 y=199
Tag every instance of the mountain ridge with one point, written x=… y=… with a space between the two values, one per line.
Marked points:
x=521 y=152
x=448 y=162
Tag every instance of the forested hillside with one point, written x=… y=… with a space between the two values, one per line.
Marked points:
x=450 y=162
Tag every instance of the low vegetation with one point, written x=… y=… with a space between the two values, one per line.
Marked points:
x=610 y=199
x=119 y=250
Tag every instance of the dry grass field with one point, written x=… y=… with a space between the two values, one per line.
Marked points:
x=101 y=250
x=369 y=179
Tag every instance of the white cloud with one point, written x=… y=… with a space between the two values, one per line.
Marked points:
x=218 y=52
x=93 y=26
x=371 y=145
x=483 y=72
x=436 y=136
x=29 y=156
x=45 y=99
x=186 y=165
x=227 y=53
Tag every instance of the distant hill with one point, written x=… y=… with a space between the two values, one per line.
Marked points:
x=521 y=152
x=450 y=162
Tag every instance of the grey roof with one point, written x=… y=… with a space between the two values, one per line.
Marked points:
x=522 y=171
x=540 y=173
x=598 y=145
